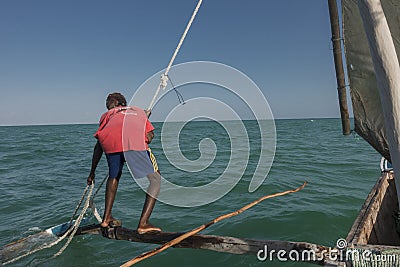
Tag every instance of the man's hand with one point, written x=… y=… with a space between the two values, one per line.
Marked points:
x=149 y=137
x=90 y=179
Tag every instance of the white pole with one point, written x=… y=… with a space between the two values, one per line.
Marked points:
x=387 y=72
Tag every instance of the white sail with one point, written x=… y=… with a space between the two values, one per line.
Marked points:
x=371 y=34
x=367 y=108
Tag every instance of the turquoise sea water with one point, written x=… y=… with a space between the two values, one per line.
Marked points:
x=43 y=173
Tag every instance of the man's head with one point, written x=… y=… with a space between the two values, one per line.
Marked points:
x=115 y=100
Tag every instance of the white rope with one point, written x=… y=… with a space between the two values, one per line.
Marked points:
x=74 y=228
x=79 y=205
x=95 y=212
x=164 y=76
x=77 y=223
x=89 y=203
x=93 y=206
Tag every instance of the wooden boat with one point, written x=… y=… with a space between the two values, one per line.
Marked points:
x=374 y=230
x=375 y=224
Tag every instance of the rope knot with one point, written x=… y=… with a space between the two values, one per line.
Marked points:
x=164 y=81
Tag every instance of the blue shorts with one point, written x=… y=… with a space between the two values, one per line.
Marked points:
x=115 y=164
x=140 y=163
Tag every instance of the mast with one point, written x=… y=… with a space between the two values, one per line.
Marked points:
x=387 y=71
x=337 y=55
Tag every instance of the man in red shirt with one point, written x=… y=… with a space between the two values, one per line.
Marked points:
x=123 y=135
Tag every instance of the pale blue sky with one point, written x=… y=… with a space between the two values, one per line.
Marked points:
x=59 y=59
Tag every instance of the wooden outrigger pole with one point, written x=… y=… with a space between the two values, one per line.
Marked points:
x=340 y=76
x=225 y=244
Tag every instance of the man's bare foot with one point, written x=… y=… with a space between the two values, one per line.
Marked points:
x=147 y=229
x=104 y=224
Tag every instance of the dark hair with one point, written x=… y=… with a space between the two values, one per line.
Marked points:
x=116 y=96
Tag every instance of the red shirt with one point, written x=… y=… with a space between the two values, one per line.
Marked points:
x=122 y=129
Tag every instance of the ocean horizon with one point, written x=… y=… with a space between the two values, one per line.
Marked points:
x=156 y=121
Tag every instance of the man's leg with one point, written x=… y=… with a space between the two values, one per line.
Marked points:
x=151 y=195
x=115 y=164
x=111 y=191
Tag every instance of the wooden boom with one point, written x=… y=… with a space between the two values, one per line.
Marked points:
x=225 y=244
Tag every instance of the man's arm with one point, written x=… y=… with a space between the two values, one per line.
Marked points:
x=97 y=153
x=149 y=136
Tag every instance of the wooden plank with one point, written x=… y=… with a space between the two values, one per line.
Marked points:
x=387 y=223
x=375 y=224
x=225 y=244
x=371 y=233
x=323 y=255
x=360 y=226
